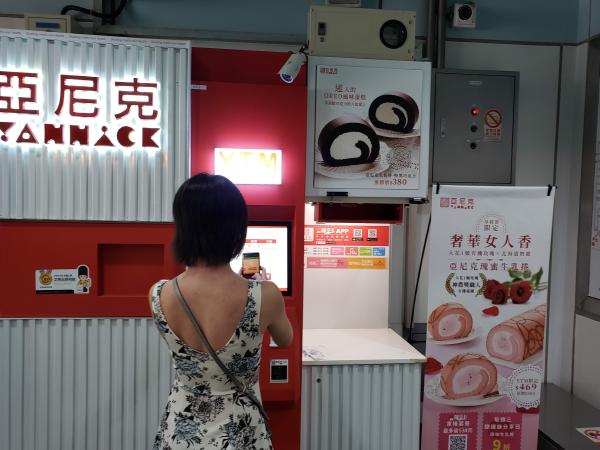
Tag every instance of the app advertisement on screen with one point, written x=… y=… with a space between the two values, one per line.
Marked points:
x=271 y=243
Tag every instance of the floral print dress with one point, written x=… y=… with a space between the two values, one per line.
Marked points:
x=204 y=411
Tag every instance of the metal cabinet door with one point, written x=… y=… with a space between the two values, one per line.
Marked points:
x=474 y=127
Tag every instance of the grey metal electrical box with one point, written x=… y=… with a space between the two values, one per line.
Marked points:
x=474 y=127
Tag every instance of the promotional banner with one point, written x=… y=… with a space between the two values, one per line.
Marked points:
x=369 y=126
x=339 y=246
x=487 y=294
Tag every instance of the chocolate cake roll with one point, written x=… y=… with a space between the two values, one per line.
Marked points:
x=519 y=337
x=450 y=321
x=468 y=375
x=394 y=111
x=348 y=140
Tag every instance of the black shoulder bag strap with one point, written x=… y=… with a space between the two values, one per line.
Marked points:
x=239 y=385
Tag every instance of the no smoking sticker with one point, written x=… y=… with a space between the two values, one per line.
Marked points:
x=493 y=126
x=592 y=433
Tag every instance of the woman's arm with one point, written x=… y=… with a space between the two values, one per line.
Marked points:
x=273 y=313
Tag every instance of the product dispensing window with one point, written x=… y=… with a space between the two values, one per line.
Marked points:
x=272 y=242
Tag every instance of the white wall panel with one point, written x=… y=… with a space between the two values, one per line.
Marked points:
x=361 y=407
x=81 y=384
x=98 y=183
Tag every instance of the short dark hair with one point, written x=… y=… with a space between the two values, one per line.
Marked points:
x=211 y=219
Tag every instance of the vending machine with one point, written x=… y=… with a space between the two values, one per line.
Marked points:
x=249 y=126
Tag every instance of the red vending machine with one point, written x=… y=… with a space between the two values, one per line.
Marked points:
x=249 y=126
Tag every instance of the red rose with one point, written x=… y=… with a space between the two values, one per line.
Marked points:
x=520 y=292
x=491 y=311
x=432 y=366
x=489 y=287
x=500 y=294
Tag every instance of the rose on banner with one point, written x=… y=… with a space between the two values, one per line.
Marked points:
x=489 y=255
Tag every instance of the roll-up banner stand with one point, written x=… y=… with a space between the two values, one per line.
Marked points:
x=487 y=293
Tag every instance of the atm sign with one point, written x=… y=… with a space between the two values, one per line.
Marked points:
x=249 y=166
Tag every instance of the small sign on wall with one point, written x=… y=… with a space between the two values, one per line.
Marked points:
x=63 y=281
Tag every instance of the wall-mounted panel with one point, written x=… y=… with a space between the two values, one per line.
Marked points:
x=538 y=99
x=92 y=128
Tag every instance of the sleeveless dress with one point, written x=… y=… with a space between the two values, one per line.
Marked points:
x=204 y=411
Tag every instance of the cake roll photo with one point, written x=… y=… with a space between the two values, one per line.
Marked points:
x=468 y=375
x=450 y=323
x=394 y=116
x=348 y=144
x=467 y=379
x=518 y=338
x=395 y=112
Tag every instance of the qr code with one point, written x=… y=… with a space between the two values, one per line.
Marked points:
x=357 y=233
x=372 y=233
x=457 y=442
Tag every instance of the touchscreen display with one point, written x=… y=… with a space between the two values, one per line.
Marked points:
x=271 y=242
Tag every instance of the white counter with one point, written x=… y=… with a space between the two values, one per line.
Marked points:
x=356 y=346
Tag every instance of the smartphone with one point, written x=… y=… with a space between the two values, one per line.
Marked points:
x=250 y=264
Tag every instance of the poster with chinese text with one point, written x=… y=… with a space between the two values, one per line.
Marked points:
x=370 y=126
x=487 y=295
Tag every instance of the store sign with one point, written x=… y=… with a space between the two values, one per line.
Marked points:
x=249 y=166
x=487 y=295
x=85 y=110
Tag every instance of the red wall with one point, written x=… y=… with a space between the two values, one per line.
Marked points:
x=125 y=259
x=246 y=105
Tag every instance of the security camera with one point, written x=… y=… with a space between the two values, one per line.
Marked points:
x=292 y=66
x=464 y=15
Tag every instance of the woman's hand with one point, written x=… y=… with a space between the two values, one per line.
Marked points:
x=261 y=275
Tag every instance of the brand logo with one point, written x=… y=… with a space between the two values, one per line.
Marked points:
x=86 y=110
x=328 y=70
x=457 y=203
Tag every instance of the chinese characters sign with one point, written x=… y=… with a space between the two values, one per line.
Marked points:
x=487 y=294
x=87 y=111
x=368 y=135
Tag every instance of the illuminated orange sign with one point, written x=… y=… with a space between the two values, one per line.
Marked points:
x=249 y=166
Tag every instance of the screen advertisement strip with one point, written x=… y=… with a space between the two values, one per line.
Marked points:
x=487 y=295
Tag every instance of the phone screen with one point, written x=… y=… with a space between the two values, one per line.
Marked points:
x=250 y=264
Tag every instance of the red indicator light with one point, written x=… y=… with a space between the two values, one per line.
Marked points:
x=474 y=111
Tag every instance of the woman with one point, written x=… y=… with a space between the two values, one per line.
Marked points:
x=204 y=411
